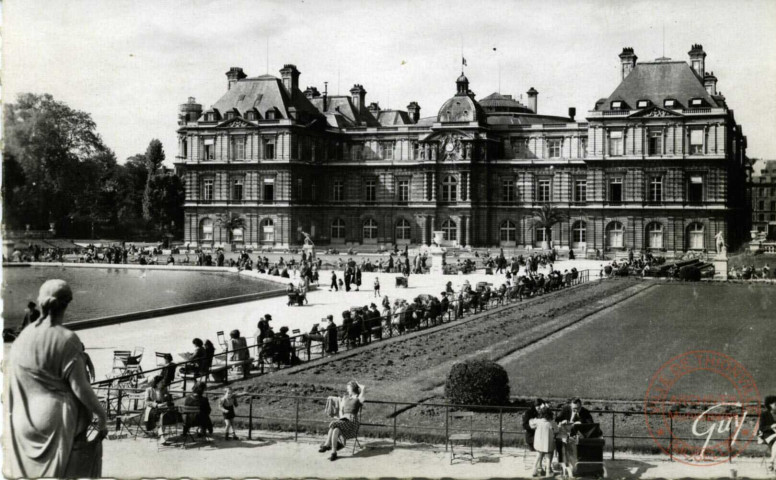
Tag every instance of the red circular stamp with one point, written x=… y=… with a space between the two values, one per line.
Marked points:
x=702 y=408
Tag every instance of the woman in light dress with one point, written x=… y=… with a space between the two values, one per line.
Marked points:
x=544 y=439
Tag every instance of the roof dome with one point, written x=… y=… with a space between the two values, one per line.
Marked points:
x=461 y=109
x=498 y=103
x=462 y=78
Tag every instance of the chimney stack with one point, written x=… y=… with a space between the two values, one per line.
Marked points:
x=414 y=110
x=290 y=76
x=710 y=82
x=358 y=95
x=311 y=92
x=628 y=61
x=233 y=75
x=698 y=59
x=572 y=113
x=532 y=99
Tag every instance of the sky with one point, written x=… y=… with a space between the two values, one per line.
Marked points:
x=131 y=63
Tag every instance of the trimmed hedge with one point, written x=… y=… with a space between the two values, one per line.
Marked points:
x=477 y=382
x=690 y=273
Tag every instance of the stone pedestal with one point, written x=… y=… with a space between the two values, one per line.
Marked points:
x=439 y=237
x=436 y=255
x=720 y=262
x=8 y=248
x=309 y=250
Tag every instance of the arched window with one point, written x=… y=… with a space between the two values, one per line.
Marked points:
x=615 y=235
x=403 y=230
x=338 y=229
x=696 y=236
x=268 y=230
x=237 y=235
x=654 y=235
x=370 y=229
x=579 y=234
x=206 y=230
x=451 y=230
x=449 y=189
x=508 y=231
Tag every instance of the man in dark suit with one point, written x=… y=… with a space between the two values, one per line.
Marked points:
x=573 y=413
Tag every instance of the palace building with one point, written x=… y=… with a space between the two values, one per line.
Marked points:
x=659 y=165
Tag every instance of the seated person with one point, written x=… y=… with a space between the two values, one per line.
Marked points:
x=346 y=427
x=168 y=370
x=283 y=348
x=197 y=362
x=157 y=403
x=767 y=429
x=239 y=348
x=201 y=419
x=573 y=413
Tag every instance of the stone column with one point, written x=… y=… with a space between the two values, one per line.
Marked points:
x=424 y=229
x=468 y=230
x=459 y=221
x=433 y=189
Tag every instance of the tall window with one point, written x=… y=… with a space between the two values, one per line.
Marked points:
x=237 y=189
x=403 y=230
x=338 y=229
x=521 y=148
x=508 y=190
x=654 y=235
x=655 y=189
x=449 y=189
x=615 y=234
x=370 y=229
x=761 y=205
x=655 y=143
x=615 y=143
x=184 y=148
x=237 y=235
x=695 y=236
x=580 y=190
x=403 y=189
x=615 y=190
x=450 y=230
x=386 y=150
x=208 y=149
x=267 y=230
x=207 y=189
x=508 y=232
x=370 y=190
x=543 y=195
x=579 y=234
x=269 y=149
x=338 y=192
x=269 y=190
x=206 y=230
x=696 y=141
x=554 y=146
x=238 y=148
x=695 y=189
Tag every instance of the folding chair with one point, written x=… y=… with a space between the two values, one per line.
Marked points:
x=358 y=430
x=463 y=437
x=132 y=417
x=120 y=359
x=188 y=410
x=137 y=354
x=222 y=340
x=160 y=360
x=169 y=427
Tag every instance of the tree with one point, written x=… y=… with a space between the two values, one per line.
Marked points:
x=547 y=216
x=133 y=177
x=164 y=196
x=154 y=157
x=52 y=144
x=229 y=222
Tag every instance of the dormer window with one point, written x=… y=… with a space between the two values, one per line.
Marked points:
x=210 y=117
x=696 y=102
x=669 y=103
x=229 y=115
x=270 y=114
x=250 y=116
x=617 y=105
x=643 y=104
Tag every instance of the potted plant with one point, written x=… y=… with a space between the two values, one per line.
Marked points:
x=545 y=218
x=230 y=222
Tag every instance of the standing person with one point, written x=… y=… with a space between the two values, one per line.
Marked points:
x=377 y=287
x=227 y=404
x=50 y=401
x=358 y=278
x=532 y=413
x=331 y=343
x=767 y=428
x=348 y=278
x=334 y=281
x=544 y=440
x=30 y=315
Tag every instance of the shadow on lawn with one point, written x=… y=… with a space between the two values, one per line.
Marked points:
x=627 y=468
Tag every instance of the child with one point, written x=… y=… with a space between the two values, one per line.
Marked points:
x=227 y=404
x=377 y=287
x=544 y=440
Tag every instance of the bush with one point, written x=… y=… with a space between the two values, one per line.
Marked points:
x=477 y=382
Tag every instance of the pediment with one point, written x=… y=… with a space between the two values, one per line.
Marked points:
x=654 y=112
x=236 y=123
x=446 y=135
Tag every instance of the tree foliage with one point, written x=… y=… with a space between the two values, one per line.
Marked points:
x=547 y=216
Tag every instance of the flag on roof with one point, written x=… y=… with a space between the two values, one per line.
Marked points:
x=463 y=61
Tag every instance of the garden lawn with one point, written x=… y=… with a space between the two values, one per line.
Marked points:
x=614 y=354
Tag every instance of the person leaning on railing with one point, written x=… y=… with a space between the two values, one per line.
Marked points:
x=346 y=427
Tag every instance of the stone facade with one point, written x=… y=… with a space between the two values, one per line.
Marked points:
x=662 y=171
x=763 y=197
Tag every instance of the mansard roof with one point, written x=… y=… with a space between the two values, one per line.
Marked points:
x=389 y=118
x=657 y=81
x=342 y=107
x=498 y=103
x=264 y=93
